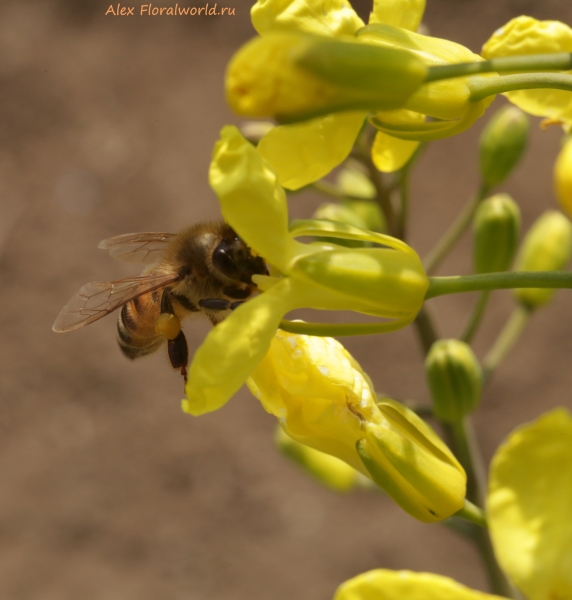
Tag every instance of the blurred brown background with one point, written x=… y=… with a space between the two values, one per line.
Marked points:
x=108 y=491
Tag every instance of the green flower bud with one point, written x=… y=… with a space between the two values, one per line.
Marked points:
x=330 y=211
x=546 y=247
x=295 y=76
x=408 y=460
x=455 y=379
x=328 y=470
x=369 y=212
x=355 y=183
x=502 y=144
x=496 y=229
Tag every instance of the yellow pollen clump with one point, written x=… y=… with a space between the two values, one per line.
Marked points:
x=168 y=326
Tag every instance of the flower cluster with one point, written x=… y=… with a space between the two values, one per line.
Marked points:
x=329 y=79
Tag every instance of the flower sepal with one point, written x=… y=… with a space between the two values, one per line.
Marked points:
x=406 y=458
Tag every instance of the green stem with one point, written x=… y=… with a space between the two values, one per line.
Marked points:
x=510 y=333
x=404 y=197
x=426 y=329
x=465 y=447
x=476 y=317
x=481 y=87
x=560 y=61
x=470 y=458
x=454 y=233
x=440 y=286
x=472 y=513
x=383 y=194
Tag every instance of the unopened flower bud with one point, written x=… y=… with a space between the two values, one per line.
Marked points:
x=381 y=281
x=455 y=379
x=546 y=247
x=328 y=470
x=295 y=76
x=496 y=229
x=324 y=400
x=360 y=192
x=354 y=182
x=563 y=177
x=502 y=144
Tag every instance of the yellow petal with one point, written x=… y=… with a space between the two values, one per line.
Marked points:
x=251 y=200
x=381 y=584
x=311 y=384
x=399 y=13
x=525 y=35
x=232 y=350
x=563 y=178
x=326 y=17
x=303 y=153
x=530 y=507
x=390 y=153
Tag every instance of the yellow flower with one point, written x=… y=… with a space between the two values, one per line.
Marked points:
x=530 y=520
x=304 y=152
x=525 y=35
x=387 y=282
x=530 y=507
x=324 y=400
x=563 y=177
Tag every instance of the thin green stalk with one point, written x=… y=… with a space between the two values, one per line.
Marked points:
x=426 y=329
x=471 y=512
x=403 y=184
x=476 y=317
x=383 y=194
x=440 y=286
x=469 y=457
x=481 y=87
x=454 y=233
x=510 y=333
x=560 y=61
x=466 y=449
x=404 y=197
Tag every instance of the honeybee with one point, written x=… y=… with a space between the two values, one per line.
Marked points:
x=205 y=268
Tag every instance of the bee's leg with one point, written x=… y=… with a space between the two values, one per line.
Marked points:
x=214 y=304
x=177 y=347
x=179 y=354
x=166 y=305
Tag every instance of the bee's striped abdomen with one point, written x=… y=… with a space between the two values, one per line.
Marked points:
x=136 y=325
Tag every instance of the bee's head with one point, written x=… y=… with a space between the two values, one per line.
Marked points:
x=233 y=258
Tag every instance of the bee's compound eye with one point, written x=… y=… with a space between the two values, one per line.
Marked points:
x=168 y=326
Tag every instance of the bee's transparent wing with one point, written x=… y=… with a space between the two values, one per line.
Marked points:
x=144 y=248
x=99 y=298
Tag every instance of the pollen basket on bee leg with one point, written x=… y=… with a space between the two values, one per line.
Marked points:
x=168 y=325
